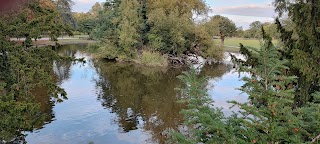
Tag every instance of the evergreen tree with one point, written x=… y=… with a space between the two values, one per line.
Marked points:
x=303 y=48
x=268 y=116
x=24 y=70
x=204 y=122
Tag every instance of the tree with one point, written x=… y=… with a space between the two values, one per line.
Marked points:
x=64 y=8
x=95 y=9
x=303 y=48
x=37 y=17
x=239 y=32
x=271 y=29
x=85 y=21
x=254 y=30
x=127 y=27
x=221 y=26
x=22 y=69
x=268 y=116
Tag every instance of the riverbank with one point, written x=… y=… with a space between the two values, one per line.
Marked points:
x=61 y=41
x=112 y=101
x=41 y=43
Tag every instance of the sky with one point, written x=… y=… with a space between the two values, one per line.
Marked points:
x=241 y=12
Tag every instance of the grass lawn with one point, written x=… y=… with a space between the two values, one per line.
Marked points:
x=231 y=44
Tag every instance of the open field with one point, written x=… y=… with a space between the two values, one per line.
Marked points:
x=232 y=44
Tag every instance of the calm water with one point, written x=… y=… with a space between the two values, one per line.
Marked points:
x=121 y=103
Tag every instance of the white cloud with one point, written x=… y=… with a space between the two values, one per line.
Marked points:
x=263 y=10
x=244 y=15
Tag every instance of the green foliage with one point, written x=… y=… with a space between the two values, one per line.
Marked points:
x=268 y=117
x=34 y=19
x=204 y=123
x=22 y=69
x=162 y=26
x=221 y=26
x=254 y=30
x=128 y=28
x=204 y=44
x=64 y=9
x=152 y=59
x=93 y=47
x=301 y=42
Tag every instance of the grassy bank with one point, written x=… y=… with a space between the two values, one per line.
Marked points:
x=40 y=43
x=232 y=44
x=145 y=57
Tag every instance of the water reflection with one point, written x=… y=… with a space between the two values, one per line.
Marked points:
x=137 y=92
x=115 y=102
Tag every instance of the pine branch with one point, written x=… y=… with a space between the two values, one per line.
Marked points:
x=315 y=139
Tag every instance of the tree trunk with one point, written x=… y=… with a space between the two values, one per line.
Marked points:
x=222 y=39
x=222 y=36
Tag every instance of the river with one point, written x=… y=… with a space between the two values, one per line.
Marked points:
x=122 y=103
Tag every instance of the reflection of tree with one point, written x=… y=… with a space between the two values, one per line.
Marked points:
x=134 y=92
x=147 y=93
x=216 y=70
x=61 y=68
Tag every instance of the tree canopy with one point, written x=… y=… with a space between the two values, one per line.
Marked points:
x=221 y=26
x=24 y=69
x=166 y=27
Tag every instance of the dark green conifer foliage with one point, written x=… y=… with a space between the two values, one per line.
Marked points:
x=267 y=117
x=23 y=70
x=302 y=50
x=204 y=123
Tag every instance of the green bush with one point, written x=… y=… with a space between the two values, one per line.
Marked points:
x=148 y=58
x=107 y=51
x=214 y=52
x=93 y=47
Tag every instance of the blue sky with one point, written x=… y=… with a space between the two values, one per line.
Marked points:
x=242 y=12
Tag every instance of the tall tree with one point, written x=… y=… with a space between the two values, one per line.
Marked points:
x=221 y=26
x=268 y=116
x=65 y=9
x=303 y=49
x=255 y=29
x=23 y=70
x=129 y=26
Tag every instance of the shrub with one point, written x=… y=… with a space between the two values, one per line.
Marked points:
x=93 y=47
x=214 y=52
x=152 y=59
x=107 y=51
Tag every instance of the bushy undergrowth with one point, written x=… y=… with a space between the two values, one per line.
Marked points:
x=152 y=59
x=214 y=52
